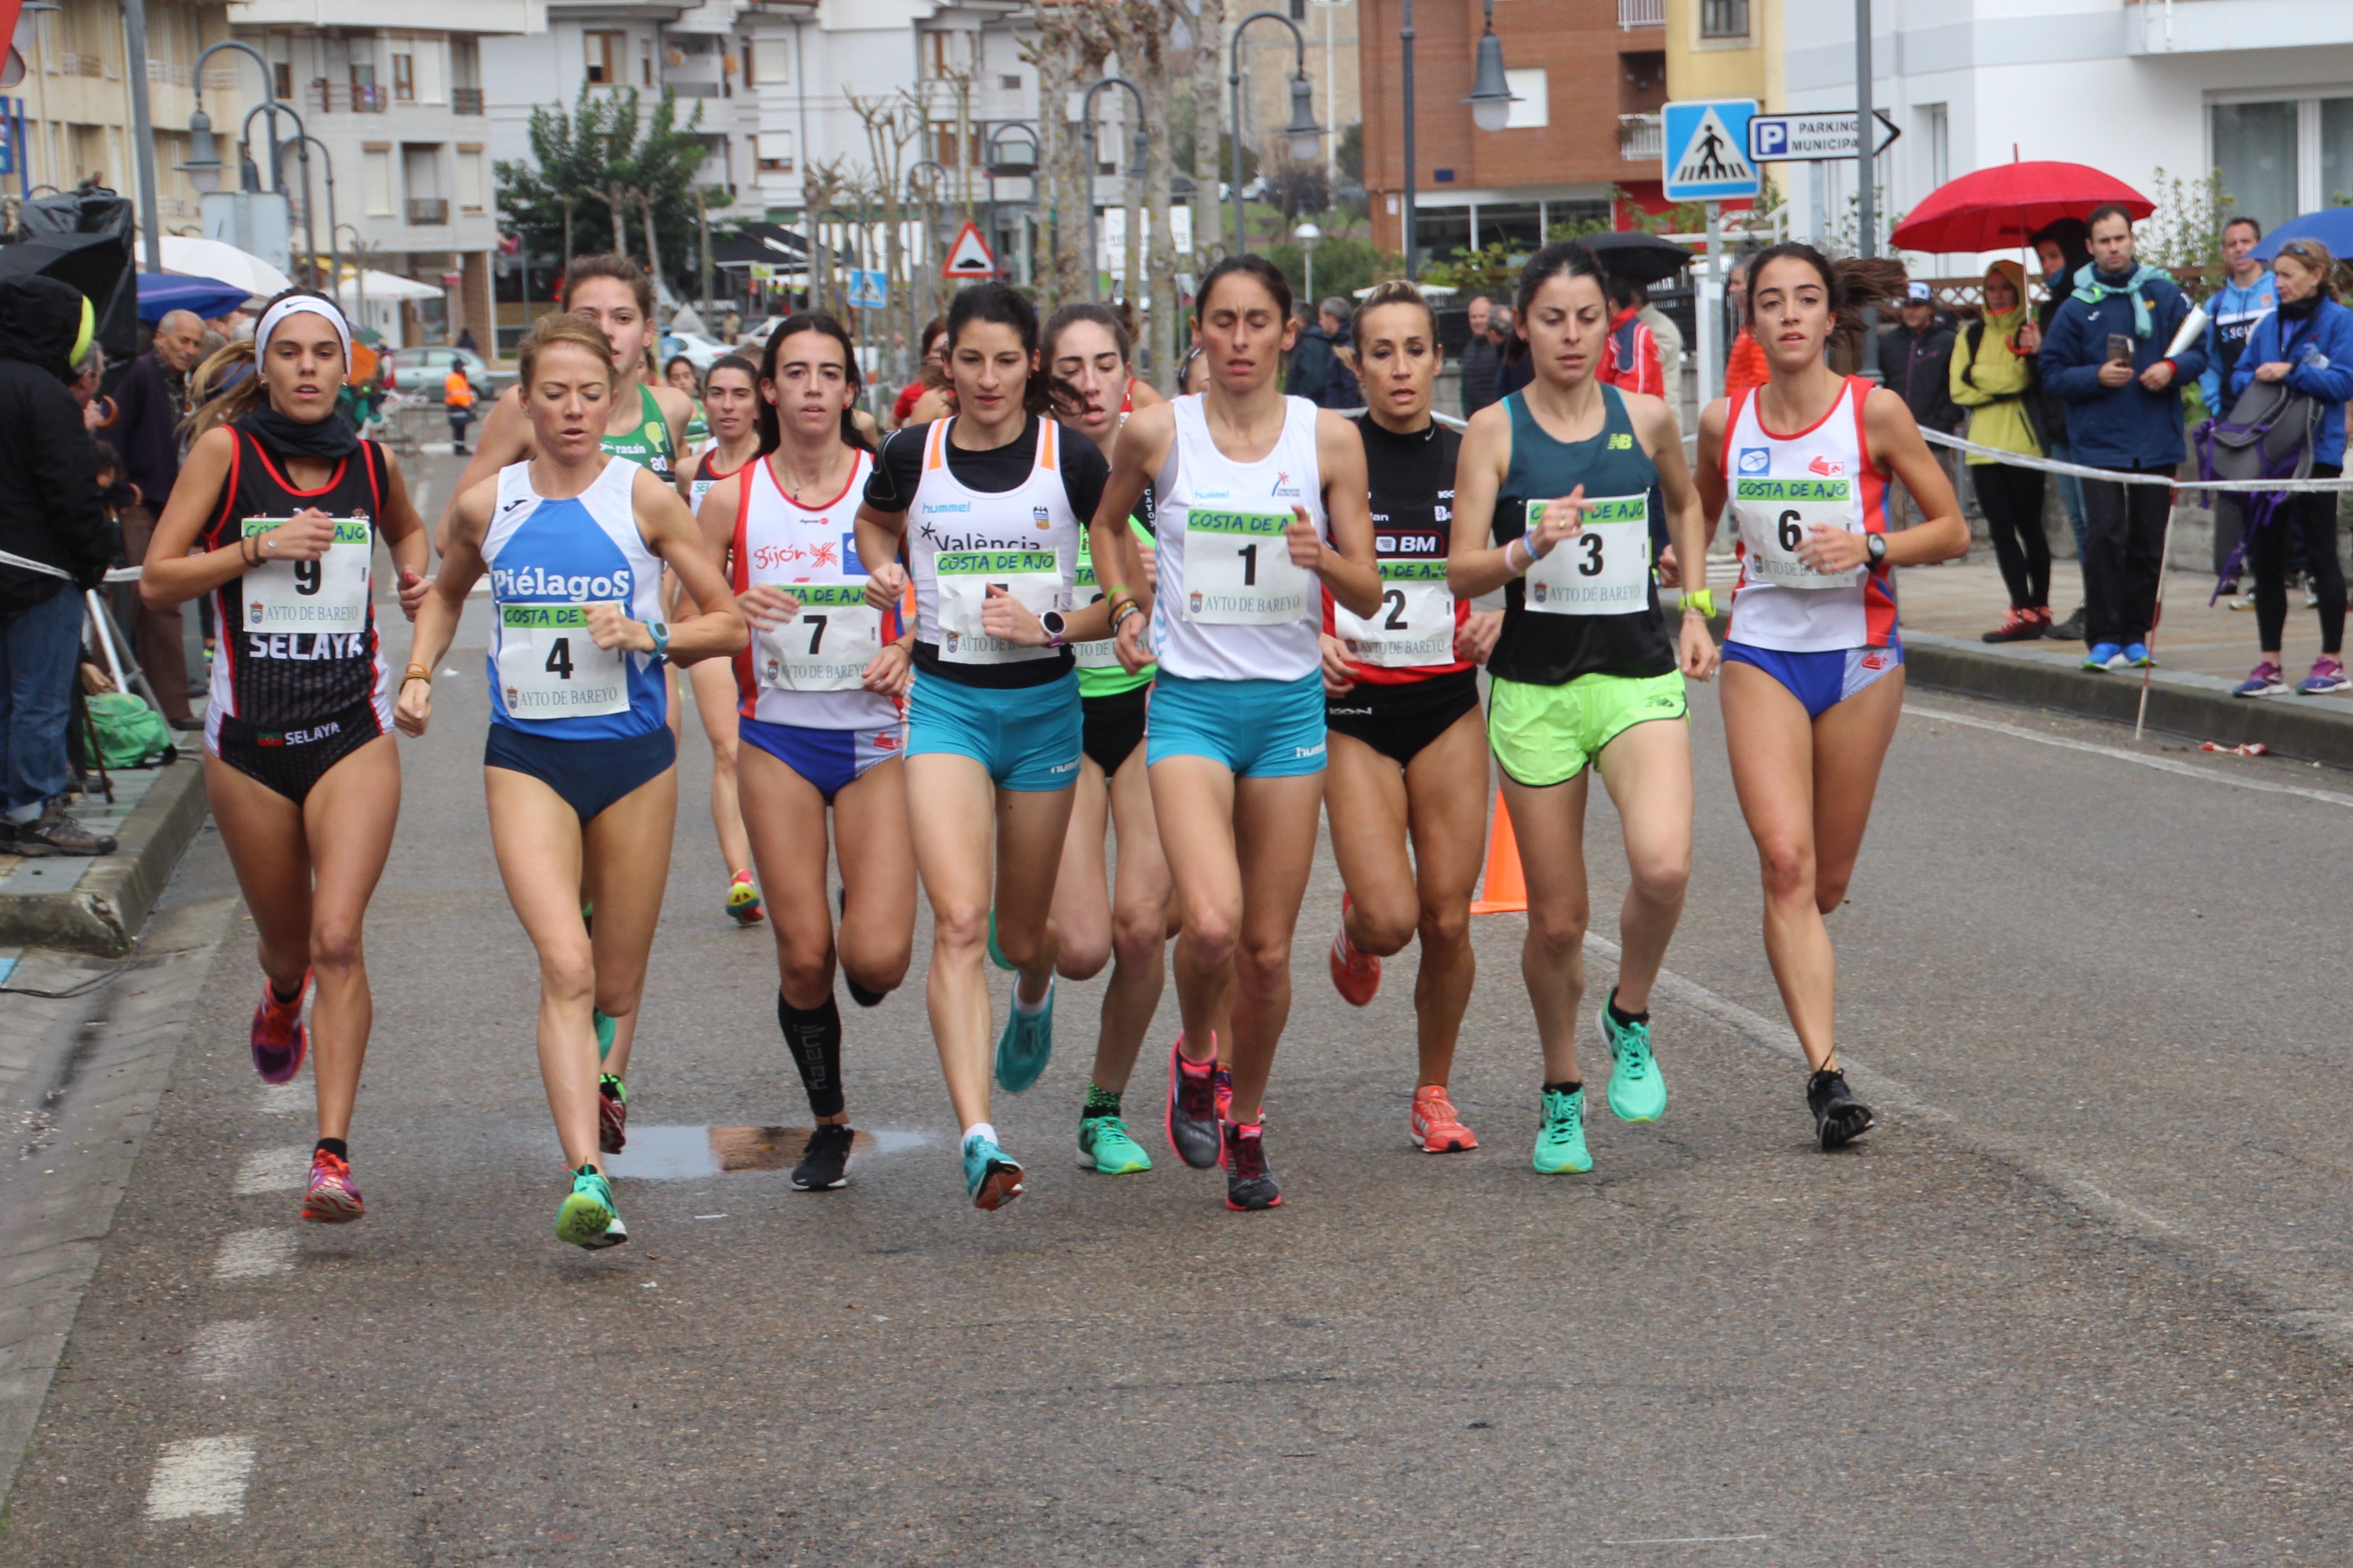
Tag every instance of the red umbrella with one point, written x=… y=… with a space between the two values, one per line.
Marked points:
x=1996 y=208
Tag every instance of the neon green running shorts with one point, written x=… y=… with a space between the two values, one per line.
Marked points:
x=1546 y=735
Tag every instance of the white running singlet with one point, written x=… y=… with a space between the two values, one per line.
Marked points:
x=807 y=672
x=963 y=540
x=1782 y=485
x=1230 y=604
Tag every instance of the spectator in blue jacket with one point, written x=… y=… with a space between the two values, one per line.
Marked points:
x=2307 y=344
x=2105 y=356
x=2246 y=296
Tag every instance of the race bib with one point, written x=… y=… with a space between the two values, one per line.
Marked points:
x=829 y=645
x=701 y=488
x=1103 y=653
x=1032 y=576
x=1414 y=626
x=1603 y=571
x=1774 y=516
x=329 y=594
x=550 y=668
x=1238 y=571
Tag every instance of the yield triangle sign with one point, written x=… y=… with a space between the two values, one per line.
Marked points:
x=969 y=256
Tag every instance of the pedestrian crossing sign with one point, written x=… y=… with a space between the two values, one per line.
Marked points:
x=1704 y=151
x=868 y=290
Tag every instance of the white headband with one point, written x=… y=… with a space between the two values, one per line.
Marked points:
x=295 y=305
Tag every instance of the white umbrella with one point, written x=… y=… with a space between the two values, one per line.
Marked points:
x=384 y=285
x=217 y=259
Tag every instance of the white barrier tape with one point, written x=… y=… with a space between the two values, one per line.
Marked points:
x=24 y=564
x=2053 y=466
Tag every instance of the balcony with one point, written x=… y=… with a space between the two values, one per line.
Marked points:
x=324 y=97
x=72 y=64
x=465 y=101
x=1633 y=14
x=427 y=212
x=1641 y=139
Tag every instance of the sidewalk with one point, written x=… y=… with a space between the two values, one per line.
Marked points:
x=95 y=905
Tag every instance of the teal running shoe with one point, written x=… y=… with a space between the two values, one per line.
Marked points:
x=1027 y=1042
x=605 y=1030
x=990 y=1174
x=589 y=1218
x=1104 y=1147
x=1560 y=1142
x=996 y=953
x=1638 y=1090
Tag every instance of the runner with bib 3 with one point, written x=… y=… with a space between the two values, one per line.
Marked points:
x=987 y=504
x=1586 y=676
x=1406 y=792
x=1813 y=667
x=818 y=692
x=1236 y=746
x=580 y=766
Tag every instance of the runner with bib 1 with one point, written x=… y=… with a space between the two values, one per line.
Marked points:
x=1587 y=676
x=1406 y=788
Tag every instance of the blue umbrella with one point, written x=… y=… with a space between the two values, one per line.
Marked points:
x=2332 y=227
x=161 y=292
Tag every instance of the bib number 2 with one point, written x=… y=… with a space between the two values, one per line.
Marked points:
x=1415 y=623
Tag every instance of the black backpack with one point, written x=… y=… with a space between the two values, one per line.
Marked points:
x=2267 y=435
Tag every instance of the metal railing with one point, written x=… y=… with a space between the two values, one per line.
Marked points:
x=427 y=211
x=1639 y=138
x=326 y=97
x=1641 y=13
x=75 y=64
x=465 y=101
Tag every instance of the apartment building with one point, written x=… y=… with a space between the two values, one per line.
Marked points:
x=1707 y=49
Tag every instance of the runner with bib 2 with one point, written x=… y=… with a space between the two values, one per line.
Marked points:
x=580 y=766
x=1587 y=676
x=283 y=503
x=1236 y=747
x=987 y=504
x=1813 y=667
x=1406 y=792
x=818 y=694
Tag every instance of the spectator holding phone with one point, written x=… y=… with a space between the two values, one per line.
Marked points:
x=2106 y=355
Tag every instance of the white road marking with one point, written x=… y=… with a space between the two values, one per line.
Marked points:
x=273 y=1171
x=1685 y=1539
x=200 y=1477
x=252 y=1254
x=225 y=1351
x=2162 y=765
x=286 y=1099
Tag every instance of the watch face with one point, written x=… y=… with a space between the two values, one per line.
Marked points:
x=1052 y=621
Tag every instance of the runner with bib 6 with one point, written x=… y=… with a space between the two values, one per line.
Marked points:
x=1586 y=677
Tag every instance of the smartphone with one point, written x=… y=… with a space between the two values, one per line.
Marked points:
x=2119 y=349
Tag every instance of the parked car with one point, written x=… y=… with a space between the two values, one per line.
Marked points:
x=701 y=351
x=423 y=372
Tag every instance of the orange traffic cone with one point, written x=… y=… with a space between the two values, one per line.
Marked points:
x=1504 y=883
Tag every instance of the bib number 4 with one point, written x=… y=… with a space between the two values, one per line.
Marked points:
x=550 y=668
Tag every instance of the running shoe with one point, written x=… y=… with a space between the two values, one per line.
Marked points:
x=606 y=1029
x=1355 y=974
x=996 y=953
x=2243 y=601
x=1105 y=1148
x=2266 y=680
x=1223 y=1076
x=2104 y=656
x=1027 y=1044
x=990 y=1175
x=1839 y=1117
x=825 y=1163
x=589 y=1216
x=280 y=1039
x=2020 y=625
x=1192 y=1117
x=612 y=1114
x=1250 y=1180
x=2137 y=656
x=1433 y=1127
x=334 y=1197
x=743 y=901
x=1560 y=1142
x=1638 y=1090
x=2327 y=674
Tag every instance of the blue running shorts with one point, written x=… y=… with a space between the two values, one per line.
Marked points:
x=1027 y=737
x=1255 y=729
x=1820 y=680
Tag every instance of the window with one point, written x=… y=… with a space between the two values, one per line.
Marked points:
x=604 y=52
x=281 y=78
x=2254 y=150
x=1010 y=81
x=2336 y=151
x=940 y=54
x=364 y=93
x=1935 y=124
x=403 y=78
x=1531 y=98
x=776 y=151
x=469 y=179
x=1724 y=18
x=645 y=62
x=375 y=176
x=943 y=148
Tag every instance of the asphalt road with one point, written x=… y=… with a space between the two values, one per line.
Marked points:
x=2083 y=1298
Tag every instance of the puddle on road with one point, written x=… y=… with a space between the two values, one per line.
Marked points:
x=681 y=1154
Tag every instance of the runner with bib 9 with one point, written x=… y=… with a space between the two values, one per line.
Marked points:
x=1813 y=665
x=1567 y=473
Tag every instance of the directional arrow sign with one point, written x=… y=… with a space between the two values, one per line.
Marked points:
x=1812 y=138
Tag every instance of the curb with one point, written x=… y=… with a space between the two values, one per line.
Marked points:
x=101 y=911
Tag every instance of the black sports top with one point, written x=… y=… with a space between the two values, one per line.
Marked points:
x=1411 y=484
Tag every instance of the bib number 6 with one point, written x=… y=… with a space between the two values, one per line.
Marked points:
x=1792 y=533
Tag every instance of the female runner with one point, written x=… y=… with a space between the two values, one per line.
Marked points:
x=1408 y=759
x=680 y=374
x=644 y=423
x=282 y=502
x=1236 y=745
x=1813 y=664
x=580 y=768
x=989 y=503
x=819 y=689
x=731 y=403
x=1567 y=471
x=1087 y=349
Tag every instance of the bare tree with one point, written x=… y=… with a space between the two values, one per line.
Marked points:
x=892 y=125
x=1208 y=18
x=1144 y=28
x=1055 y=181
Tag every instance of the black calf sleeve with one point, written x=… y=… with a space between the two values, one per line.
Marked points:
x=815 y=1037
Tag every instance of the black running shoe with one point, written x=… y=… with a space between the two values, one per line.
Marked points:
x=858 y=993
x=1250 y=1180
x=826 y=1162
x=1191 y=1118
x=1839 y=1117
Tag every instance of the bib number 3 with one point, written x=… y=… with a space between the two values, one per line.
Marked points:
x=1603 y=569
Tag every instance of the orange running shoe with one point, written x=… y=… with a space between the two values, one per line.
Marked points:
x=1434 y=1128
x=1356 y=976
x=333 y=1198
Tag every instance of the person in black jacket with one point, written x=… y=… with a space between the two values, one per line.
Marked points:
x=54 y=541
x=2063 y=247
x=1479 y=357
x=1311 y=358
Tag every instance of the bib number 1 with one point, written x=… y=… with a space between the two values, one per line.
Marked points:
x=1239 y=571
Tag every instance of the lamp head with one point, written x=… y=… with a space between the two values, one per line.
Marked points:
x=203 y=165
x=1304 y=134
x=1307 y=234
x=1490 y=97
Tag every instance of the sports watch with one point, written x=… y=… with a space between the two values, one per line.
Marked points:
x=1875 y=546
x=1055 y=625
x=659 y=632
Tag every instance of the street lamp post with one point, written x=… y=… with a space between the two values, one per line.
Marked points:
x=1412 y=226
x=1491 y=108
x=1307 y=234
x=359 y=281
x=1134 y=170
x=1303 y=131
x=334 y=257
x=301 y=141
x=998 y=166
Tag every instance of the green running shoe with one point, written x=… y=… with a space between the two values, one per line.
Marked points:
x=1638 y=1090
x=589 y=1218
x=990 y=1174
x=1105 y=1147
x=605 y=1030
x=996 y=953
x=1027 y=1042
x=1560 y=1144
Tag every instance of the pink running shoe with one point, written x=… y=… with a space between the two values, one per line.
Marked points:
x=280 y=1039
x=1434 y=1127
x=333 y=1198
x=1355 y=974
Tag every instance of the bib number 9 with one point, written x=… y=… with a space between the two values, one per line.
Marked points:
x=329 y=594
